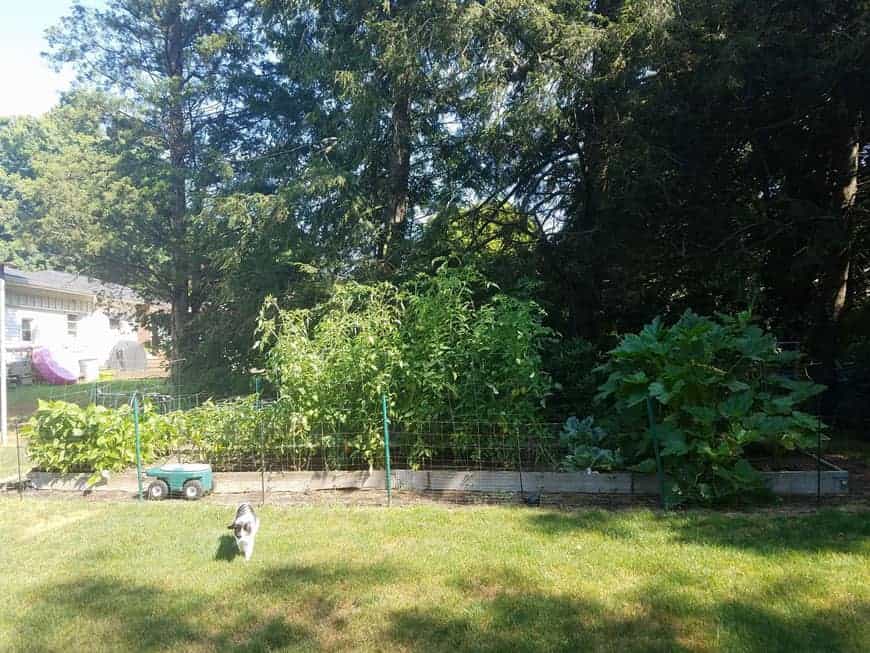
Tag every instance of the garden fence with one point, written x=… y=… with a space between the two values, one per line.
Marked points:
x=263 y=436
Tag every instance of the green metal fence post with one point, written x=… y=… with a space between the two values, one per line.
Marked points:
x=138 y=443
x=389 y=479
x=262 y=444
x=655 y=439
x=819 y=451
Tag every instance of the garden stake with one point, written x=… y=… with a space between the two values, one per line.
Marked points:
x=262 y=446
x=135 y=401
x=655 y=439
x=818 y=451
x=389 y=480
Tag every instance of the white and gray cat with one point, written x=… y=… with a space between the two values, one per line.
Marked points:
x=245 y=527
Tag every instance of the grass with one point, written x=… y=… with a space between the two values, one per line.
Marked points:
x=9 y=460
x=99 y=576
x=22 y=400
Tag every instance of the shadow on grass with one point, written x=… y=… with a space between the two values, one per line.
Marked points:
x=272 y=609
x=326 y=577
x=332 y=605
x=609 y=524
x=827 y=530
x=227 y=549
x=503 y=612
x=106 y=614
x=783 y=615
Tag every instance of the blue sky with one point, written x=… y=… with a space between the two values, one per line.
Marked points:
x=27 y=84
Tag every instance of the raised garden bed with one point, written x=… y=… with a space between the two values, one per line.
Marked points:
x=834 y=482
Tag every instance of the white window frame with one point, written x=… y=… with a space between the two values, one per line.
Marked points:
x=29 y=321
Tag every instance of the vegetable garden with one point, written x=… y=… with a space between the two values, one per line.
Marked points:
x=467 y=389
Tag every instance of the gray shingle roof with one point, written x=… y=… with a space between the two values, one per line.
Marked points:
x=71 y=283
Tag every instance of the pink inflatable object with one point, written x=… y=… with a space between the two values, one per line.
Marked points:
x=50 y=370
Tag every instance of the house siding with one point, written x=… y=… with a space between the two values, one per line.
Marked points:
x=45 y=301
x=49 y=313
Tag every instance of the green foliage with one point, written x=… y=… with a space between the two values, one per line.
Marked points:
x=64 y=437
x=469 y=357
x=589 y=445
x=439 y=354
x=332 y=364
x=719 y=387
x=571 y=362
x=251 y=148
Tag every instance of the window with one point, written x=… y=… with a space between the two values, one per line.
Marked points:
x=115 y=323
x=72 y=325
x=27 y=330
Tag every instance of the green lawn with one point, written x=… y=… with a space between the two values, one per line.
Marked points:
x=98 y=576
x=9 y=460
x=22 y=399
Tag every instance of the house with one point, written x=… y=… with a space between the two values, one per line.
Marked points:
x=76 y=318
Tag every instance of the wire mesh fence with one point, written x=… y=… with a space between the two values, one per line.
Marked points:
x=323 y=447
x=155 y=397
x=245 y=435
x=265 y=436
x=476 y=445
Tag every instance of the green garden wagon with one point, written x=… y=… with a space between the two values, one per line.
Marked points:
x=191 y=480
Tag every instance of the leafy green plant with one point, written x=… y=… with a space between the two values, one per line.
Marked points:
x=571 y=362
x=330 y=365
x=588 y=445
x=64 y=437
x=444 y=357
x=718 y=387
x=449 y=357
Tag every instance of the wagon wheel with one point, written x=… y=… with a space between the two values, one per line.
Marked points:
x=192 y=490
x=158 y=490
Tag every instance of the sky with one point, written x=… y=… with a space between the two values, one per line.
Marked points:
x=28 y=85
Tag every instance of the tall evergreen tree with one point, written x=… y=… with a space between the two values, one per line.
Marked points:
x=171 y=67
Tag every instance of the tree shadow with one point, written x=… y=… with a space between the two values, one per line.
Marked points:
x=608 y=524
x=274 y=634
x=504 y=610
x=278 y=579
x=135 y=617
x=825 y=530
x=771 y=617
x=276 y=608
x=507 y=612
x=320 y=594
x=227 y=549
x=759 y=630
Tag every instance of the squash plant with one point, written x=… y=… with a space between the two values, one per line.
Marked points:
x=719 y=385
x=64 y=437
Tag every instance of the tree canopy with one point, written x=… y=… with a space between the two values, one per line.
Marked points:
x=612 y=160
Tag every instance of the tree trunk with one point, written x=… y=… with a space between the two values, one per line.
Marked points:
x=586 y=231
x=179 y=307
x=178 y=151
x=396 y=208
x=834 y=281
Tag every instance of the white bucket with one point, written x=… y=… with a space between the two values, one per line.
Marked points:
x=89 y=369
